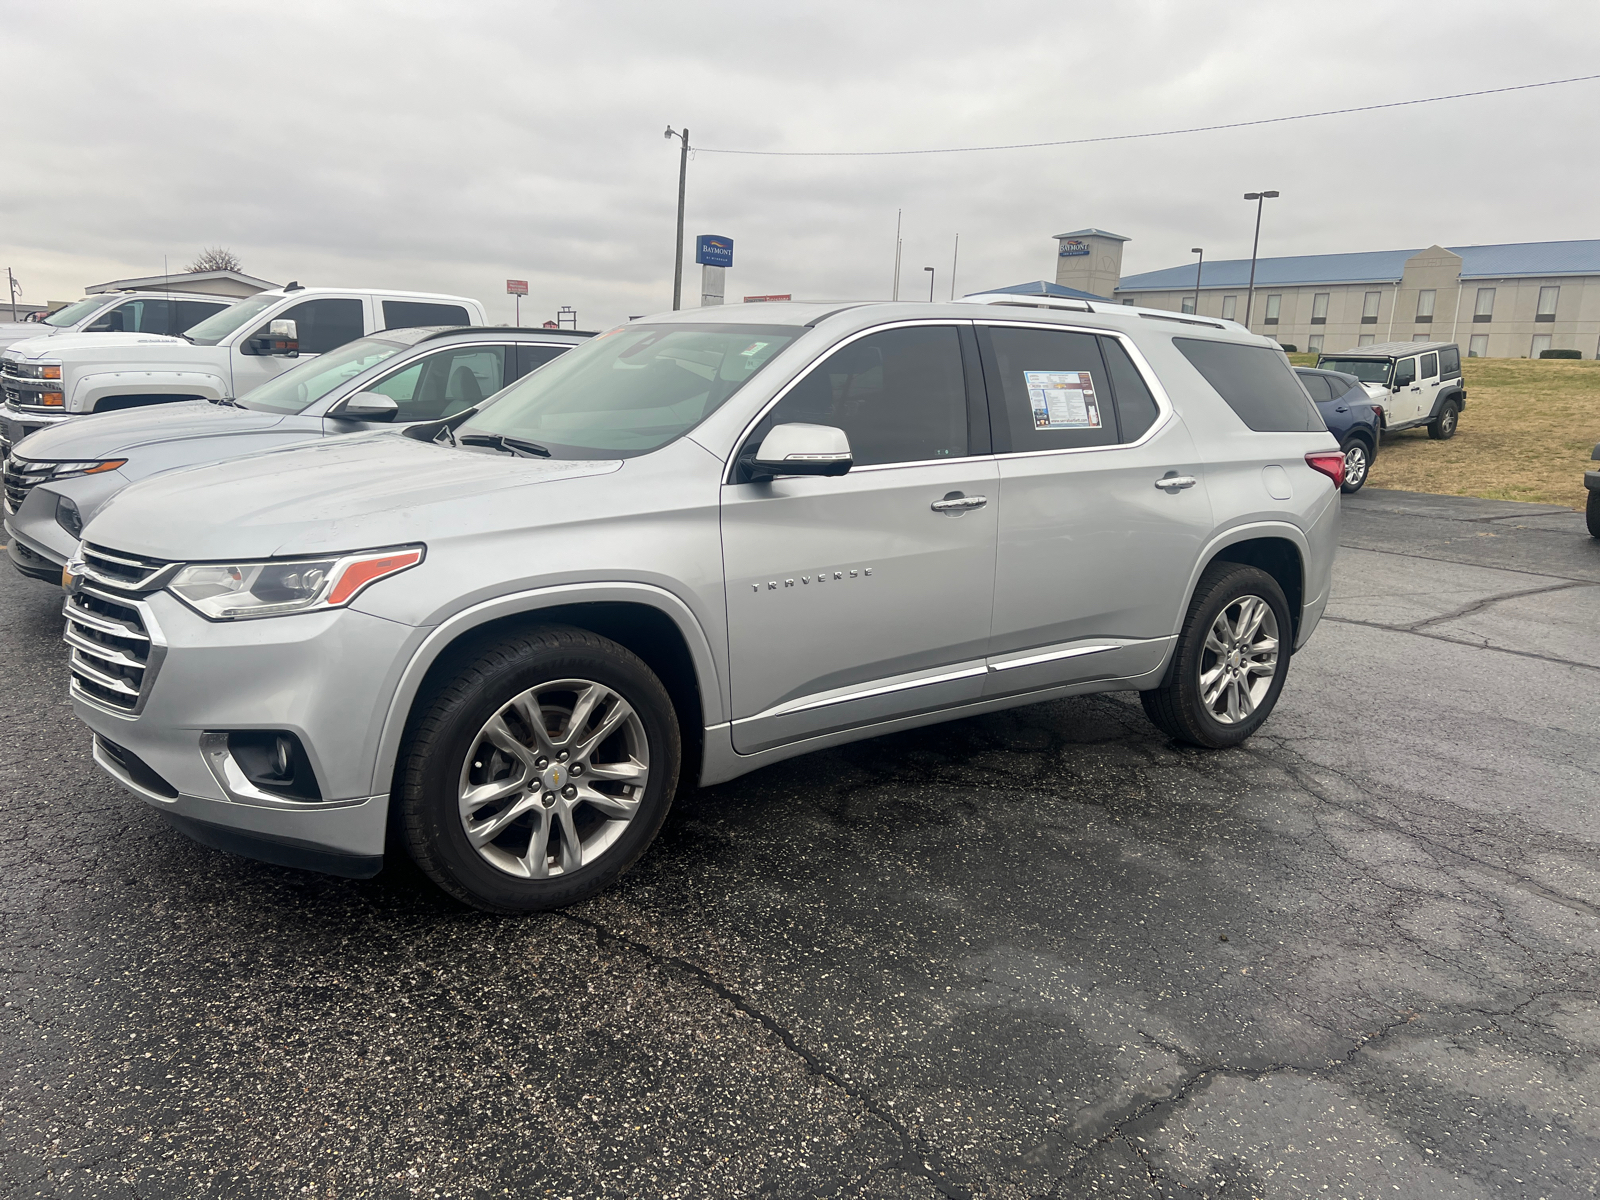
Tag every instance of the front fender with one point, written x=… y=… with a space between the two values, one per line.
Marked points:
x=89 y=390
x=530 y=603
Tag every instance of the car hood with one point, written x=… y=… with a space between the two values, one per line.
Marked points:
x=343 y=493
x=107 y=434
x=17 y=331
x=91 y=345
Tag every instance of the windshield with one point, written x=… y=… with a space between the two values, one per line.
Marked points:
x=306 y=383
x=220 y=324
x=632 y=390
x=1368 y=370
x=73 y=313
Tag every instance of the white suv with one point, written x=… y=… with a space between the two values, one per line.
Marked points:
x=693 y=546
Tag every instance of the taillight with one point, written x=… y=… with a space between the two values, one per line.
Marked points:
x=1330 y=463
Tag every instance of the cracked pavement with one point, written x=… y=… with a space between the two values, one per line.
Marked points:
x=1043 y=953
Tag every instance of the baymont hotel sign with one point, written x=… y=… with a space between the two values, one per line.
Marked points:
x=1072 y=247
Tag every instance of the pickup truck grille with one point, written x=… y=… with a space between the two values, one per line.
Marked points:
x=111 y=649
x=21 y=477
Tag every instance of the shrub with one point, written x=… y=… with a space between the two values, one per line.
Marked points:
x=1561 y=354
x=1289 y=348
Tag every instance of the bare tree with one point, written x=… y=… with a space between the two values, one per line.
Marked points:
x=215 y=258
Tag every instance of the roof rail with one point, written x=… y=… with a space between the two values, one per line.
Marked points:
x=1021 y=300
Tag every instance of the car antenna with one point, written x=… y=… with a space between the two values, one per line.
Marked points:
x=293 y=285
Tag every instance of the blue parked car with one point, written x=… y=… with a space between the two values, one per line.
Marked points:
x=1350 y=416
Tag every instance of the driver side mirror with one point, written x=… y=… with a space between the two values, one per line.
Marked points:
x=281 y=338
x=365 y=406
x=800 y=449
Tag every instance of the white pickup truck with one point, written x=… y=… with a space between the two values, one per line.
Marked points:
x=119 y=312
x=49 y=380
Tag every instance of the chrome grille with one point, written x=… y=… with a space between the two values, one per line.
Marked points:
x=112 y=651
x=21 y=477
x=125 y=572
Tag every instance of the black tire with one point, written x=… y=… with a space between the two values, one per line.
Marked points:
x=1591 y=514
x=1443 y=427
x=447 y=726
x=1177 y=707
x=1358 y=458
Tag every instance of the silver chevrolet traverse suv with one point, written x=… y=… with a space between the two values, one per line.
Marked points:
x=693 y=546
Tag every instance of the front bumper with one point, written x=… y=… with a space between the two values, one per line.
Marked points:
x=325 y=677
x=32 y=560
x=1591 y=480
x=16 y=424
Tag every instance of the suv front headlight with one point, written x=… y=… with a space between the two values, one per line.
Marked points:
x=278 y=586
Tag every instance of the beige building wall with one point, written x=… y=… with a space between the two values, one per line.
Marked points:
x=1509 y=333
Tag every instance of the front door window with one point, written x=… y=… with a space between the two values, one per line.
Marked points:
x=851 y=599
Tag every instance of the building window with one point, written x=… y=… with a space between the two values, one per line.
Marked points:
x=1485 y=309
x=1229 y=307
x=1130 y=299
x=1274 y=303
x=1547 y=303
x=1369 y=308
x=1422 y=337
x=1319 y=308
x=1478 y=347
x=1314 y=343
x=1366 y=339
x=1541 y=343
x=1425 y=305
x=1188 y=304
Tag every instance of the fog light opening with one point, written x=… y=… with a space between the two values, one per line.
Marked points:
x=68 y=517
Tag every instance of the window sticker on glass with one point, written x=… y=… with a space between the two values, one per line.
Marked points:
x=1062 y=399
x=753 y=348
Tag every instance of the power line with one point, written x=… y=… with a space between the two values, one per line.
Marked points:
x=1128 y=137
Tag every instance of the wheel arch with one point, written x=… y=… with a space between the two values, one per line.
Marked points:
x=649 y=621
x=132 y=389
x=1277 y=548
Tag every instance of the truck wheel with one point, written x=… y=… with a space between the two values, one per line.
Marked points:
x=1230 y=662
x=1357 y=461
x=1443 y=427
x=539 y=772
x=1591 y=514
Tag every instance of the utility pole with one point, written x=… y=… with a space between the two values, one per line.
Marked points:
x=683 y=175
x=955 y=254
x=1200 y=250
x=897 y=213
x=1259 y=198
x=11 y=290
x=931 y=273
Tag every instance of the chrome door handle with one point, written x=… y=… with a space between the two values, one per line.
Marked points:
x=956 y=502
x=1176 y=483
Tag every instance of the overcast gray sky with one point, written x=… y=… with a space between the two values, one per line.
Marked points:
x=449 y=146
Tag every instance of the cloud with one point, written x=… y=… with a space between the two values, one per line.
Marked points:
x=447 y=147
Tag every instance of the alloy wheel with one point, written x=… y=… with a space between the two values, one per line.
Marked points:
x=553 y=779
x=1239 y=660
x=1355 y=465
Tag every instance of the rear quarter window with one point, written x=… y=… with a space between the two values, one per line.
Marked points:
x=1257 y=383
x=407 y=314
x=1450 y=362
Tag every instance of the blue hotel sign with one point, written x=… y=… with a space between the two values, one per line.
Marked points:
x=712 y=250
x=1072 y=247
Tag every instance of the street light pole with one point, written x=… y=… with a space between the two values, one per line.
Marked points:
x=1250 y=295
x=930 y=272
x=1200 y=250
x=683 y=175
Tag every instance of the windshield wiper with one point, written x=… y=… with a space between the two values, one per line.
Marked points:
x=229 y=401
x=187 y=338
x=511 y=445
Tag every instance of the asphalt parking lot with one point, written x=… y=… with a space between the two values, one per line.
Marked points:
x=1043 y=953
